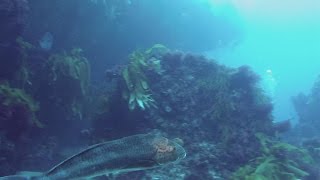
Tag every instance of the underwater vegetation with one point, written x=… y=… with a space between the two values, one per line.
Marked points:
x=18 y=111
x=138 y=93
x=278 y=161
x=18 y=119
x=42 y=95
x=70 y=69
x=62 y=87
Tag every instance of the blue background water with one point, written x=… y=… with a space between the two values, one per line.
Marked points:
x=281 y=36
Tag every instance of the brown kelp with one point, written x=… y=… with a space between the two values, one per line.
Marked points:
x=138 y=93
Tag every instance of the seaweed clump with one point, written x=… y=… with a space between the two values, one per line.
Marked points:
x=127 y=96
x=69 y=77
x=137 y=91
x=61 y=85
x=278 y=161
x=17 y=111
x=45 y=94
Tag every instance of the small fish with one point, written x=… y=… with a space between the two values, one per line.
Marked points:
x=137 y=152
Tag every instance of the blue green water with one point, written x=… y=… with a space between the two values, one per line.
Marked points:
x=281 y=36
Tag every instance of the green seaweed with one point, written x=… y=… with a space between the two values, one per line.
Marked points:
x=72 y=65
x=13 y=97
x=137 y=92
x=279 y=161
x=70 y=77
x=24 y=44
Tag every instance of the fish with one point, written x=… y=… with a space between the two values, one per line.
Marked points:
x=132 y=153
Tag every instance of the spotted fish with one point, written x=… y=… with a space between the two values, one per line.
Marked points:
x=137 y=152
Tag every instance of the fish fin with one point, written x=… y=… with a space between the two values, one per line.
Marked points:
x=22 y=175
x=76 y=155
x=16 y=177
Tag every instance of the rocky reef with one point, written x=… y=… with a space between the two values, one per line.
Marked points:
x=221 y=114
x=50 y=108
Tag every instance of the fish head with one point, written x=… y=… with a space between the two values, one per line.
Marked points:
x=155 y=151
x=168 y=151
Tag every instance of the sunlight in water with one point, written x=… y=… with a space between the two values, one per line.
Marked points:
x=269 y=9
x=283 y=35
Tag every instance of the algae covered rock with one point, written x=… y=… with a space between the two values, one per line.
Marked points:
x=217 y=109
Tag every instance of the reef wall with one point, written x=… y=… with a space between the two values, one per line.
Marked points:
x=220 y=114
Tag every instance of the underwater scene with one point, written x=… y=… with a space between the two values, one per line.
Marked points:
x=160 y=89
